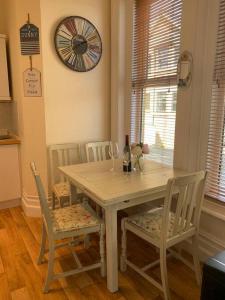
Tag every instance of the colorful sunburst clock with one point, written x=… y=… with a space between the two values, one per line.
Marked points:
x=78 y=44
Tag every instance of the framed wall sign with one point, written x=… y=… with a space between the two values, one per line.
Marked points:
x=32 y=83
x=78 y=44
x=29 y=39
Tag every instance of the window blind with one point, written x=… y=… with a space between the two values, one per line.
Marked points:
x=215 y=164
x=156 y=47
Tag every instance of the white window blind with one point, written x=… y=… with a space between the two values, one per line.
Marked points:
x=156 y=48
x=215 y=186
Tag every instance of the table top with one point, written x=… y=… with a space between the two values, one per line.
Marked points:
x=111 y=187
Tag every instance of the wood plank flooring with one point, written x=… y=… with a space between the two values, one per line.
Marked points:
x=22 y=279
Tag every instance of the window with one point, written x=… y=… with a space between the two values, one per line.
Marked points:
x=156 y=47
x=162 y=56
x=161 y=102
x=215 y=186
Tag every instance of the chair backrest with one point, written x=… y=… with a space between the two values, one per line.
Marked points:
x=97 y=151
x=45 y=210
x=62 y=155
x=189 y=190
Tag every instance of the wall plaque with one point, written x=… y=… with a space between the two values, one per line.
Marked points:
x=29 y=39
x=32 y=83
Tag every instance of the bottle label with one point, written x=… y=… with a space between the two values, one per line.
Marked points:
x=126 y=166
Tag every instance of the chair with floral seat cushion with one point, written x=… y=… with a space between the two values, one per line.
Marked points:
x=61 y=155
x=167 y=226
x=67 y=223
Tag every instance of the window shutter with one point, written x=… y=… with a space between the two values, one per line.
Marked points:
x=156 y=48
x=215 y=186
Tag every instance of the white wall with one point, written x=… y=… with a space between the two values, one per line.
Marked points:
x=193 y=104
x=77 y=105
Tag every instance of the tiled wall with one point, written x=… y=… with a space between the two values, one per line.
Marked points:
x=6 y=115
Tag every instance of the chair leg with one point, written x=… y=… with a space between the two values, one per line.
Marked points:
x=53 y=201
x=123 y=256
x=196 y=259
x=84 y=200
x=61 y=202
x=103 y=214
x=43 y=243
x=50 y=272
x=87 y=241
x=102 y=251
x=164 y=278
x=98 y=210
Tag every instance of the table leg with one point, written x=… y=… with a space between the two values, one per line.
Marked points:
x=111 y=249
x=73 y=194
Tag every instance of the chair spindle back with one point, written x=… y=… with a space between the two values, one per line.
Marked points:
x=45 y=210
x=97 y=151
x=190 y=191
x=62 y=155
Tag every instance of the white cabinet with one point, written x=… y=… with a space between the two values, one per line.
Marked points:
x=9 y=173
x=4 y=79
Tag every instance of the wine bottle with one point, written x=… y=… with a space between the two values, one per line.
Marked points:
x=127 y=155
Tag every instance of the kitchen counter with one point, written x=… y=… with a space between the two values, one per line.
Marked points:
x=11 y=141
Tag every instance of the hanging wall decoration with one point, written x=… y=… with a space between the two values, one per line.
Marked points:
x=30 y=45
x=78 y=44
x=184 y=70
x=29 y=39
x=32 y=83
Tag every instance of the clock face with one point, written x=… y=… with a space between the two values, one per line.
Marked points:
x=78 y=44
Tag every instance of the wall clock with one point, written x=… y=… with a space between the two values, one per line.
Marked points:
x=78 y=44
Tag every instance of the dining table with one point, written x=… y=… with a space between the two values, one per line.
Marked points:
x=115 y=190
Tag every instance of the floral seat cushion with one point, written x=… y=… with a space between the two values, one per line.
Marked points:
x=61 y=189
x=152 y=222
x=73 y=217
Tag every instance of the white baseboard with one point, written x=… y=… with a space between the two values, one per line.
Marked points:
x=31 y=205
x=10 y=203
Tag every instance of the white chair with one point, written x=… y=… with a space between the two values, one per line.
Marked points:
x=61 y=155
x=66 y=223
x=169 y=225
x=97 y=151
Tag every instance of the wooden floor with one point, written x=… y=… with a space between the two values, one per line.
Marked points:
x=22 y=279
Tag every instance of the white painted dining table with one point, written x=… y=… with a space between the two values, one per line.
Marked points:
x=116 y=190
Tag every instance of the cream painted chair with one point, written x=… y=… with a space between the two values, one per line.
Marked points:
x=61 y=155
x=167 y=226
x=97 y=151
x=66 y=223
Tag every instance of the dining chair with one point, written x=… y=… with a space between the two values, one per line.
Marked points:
x=96 y=151
x=61 y=155
x=166 y=226
x=66 y=223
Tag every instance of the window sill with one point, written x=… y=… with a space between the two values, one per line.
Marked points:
x=214 y=208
